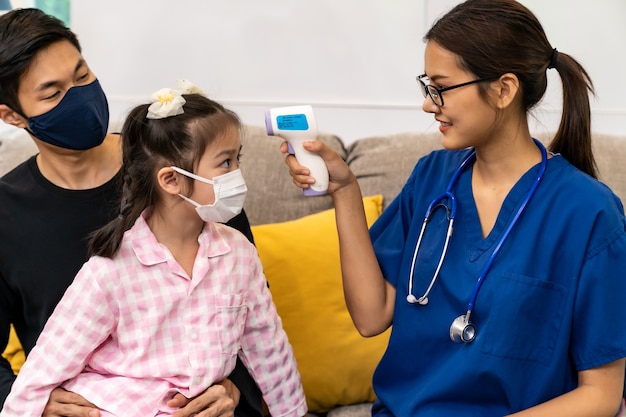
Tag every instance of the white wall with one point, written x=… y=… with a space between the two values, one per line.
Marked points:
x=355 y=61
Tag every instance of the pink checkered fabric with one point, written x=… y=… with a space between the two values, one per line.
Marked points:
x=131 y=332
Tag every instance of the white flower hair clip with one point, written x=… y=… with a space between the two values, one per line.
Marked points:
x=165 y=103
x=187 y=87
x=168 y=102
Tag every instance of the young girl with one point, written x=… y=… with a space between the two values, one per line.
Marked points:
x=72 y=187
x=530 y=285
x=170 y=296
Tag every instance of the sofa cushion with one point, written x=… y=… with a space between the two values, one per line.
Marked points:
x=610 y=154
x=14 y=352
x=15 y=146
x=384 y=163
x=263 y=166
x=301 y=262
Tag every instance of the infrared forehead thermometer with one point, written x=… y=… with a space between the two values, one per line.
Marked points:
x=296 y=124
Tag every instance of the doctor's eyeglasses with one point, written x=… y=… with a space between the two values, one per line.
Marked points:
x=436 y=93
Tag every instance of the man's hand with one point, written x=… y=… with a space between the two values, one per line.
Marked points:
x=218 y=400
x=63 y=403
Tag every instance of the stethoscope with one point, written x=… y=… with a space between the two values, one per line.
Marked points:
x=462 y=330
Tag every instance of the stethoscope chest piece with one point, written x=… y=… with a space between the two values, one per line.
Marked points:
x=462 y=330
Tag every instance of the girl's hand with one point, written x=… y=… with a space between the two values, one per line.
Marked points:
x=338 y=171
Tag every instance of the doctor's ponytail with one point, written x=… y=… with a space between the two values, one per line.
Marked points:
x=573 y=138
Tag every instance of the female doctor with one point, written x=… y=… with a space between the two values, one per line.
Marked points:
x=500 y=265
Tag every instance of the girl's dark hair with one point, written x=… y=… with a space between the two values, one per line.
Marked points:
x=150 y=144
x=23 y=33
x=494 y=37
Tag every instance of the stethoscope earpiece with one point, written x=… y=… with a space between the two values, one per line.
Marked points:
x=413 y=299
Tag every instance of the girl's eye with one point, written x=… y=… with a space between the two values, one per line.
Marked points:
x=228 y=162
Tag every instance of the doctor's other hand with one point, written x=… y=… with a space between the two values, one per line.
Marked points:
x=339 y=173
x=218 y=400
x=64 y=403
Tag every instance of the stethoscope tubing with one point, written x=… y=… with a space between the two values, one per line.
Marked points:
x=437 y=201
x=451 y=210
x=507 y=232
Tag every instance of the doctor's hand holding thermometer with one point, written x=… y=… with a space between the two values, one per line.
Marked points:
x=318 y=169
x=297 y=125
x=310 y=160
x=369 y=297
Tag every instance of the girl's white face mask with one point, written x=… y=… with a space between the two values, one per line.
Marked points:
x=230 y=192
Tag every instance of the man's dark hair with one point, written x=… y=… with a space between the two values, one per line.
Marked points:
x=23 y=33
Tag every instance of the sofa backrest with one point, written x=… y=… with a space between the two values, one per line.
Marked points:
x=272 y=196
x=381 y=164
x=15 y=146
x=610 y=154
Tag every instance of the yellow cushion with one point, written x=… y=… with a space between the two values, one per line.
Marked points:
x=14 y=352
x=301 y=262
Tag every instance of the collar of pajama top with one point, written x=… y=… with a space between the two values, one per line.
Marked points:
x=151 y=252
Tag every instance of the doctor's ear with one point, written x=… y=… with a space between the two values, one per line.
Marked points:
x=507 y=90
x=11 y=117
x=168 y=180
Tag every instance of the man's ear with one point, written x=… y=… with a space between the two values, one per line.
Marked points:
x=11 y=117
x=507 y=90
x=168 y=181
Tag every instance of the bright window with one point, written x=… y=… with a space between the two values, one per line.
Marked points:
x=58 y=8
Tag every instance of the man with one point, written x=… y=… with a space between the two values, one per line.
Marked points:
x=50 y=204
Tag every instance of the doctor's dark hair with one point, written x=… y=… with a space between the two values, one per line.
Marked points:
x=151 y=144
x=494 y=37
x=23 y=34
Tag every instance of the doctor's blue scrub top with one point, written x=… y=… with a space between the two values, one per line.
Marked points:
x=552 y=304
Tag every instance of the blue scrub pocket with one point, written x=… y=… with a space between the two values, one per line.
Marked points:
x=525 y=318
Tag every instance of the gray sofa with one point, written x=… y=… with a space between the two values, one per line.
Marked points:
x=381 y=165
